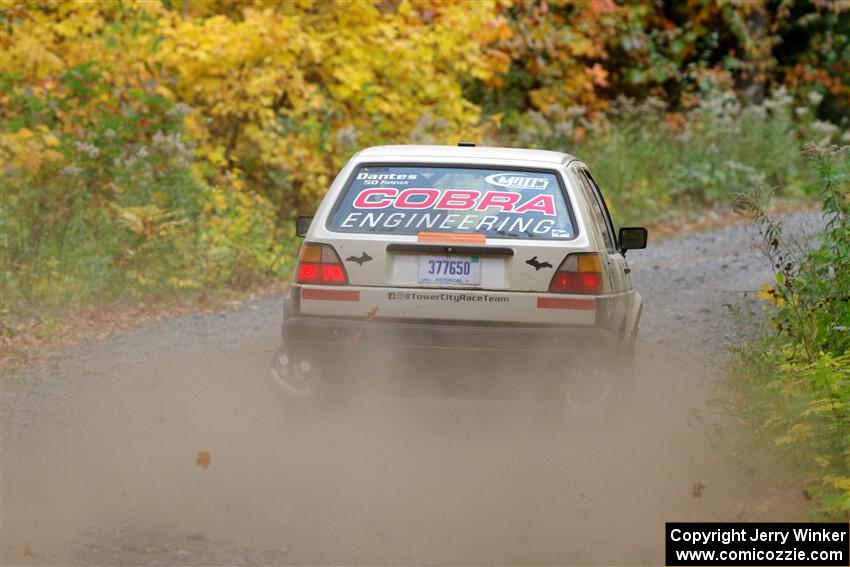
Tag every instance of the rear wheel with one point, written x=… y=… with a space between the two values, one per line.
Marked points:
x=602 y=385
x=590 y=389
x=302 y=380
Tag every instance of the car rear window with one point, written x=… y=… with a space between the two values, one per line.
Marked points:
x=499 y=203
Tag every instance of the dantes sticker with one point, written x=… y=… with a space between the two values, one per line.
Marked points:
x=386 y=178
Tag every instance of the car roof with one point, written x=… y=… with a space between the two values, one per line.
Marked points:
x=466 y=152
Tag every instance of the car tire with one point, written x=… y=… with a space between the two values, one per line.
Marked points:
x=301 y=382
x=589 y=390
x=605 y=388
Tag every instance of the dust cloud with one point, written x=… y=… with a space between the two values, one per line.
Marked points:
x=100 y=445
x=451 y=465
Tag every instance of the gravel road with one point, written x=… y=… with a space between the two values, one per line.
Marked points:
x=99 y=447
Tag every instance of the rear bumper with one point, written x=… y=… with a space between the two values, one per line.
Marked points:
x=358 y=334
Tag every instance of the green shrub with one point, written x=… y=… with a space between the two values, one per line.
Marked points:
x=650 y=162
x=113 y=208
x=792 y=381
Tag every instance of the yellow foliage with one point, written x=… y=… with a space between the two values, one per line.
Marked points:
x=771 y=295
x=287 y=88
x=147 y=221
x=798 y=433
x=272 y=87
x=28 y=150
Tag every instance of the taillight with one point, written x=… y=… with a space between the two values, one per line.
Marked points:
x=578 y=273
x=320 y=264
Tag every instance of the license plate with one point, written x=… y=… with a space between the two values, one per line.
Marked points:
x=462 y=270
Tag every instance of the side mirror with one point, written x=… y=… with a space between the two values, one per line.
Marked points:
x=633 y=238
x=302 y=225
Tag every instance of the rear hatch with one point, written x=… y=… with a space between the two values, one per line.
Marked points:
x=479 y=234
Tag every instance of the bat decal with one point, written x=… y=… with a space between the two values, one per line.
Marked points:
x=537 y=264
x=361 y=260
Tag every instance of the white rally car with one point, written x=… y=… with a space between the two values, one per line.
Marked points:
x=498 y=262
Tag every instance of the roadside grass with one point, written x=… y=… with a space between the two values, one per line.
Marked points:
x=790 y=383
x=120 y=215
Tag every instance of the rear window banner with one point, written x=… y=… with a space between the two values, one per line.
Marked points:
x=409 y=200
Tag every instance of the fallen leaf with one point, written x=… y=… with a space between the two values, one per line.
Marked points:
x=353 y=340
x=697 y=489
x=372 y=312
x=203 y=460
